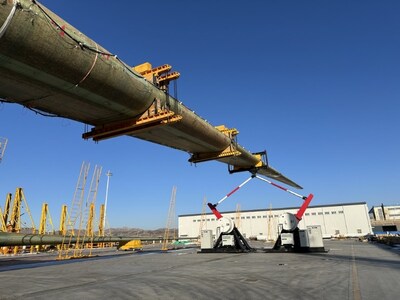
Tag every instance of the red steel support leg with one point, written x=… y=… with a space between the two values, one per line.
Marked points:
x=215 y=211
x=303 y=208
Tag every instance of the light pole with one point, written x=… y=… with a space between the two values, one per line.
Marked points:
x=109 y=174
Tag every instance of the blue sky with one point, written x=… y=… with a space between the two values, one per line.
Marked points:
x=315 y=83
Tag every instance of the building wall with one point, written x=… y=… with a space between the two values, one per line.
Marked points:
x=347 y=220
x=389 y=212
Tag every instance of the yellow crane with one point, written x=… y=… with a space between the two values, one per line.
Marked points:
x=89 y=226
x=102 y=226
x=44 y=218
x=19 y=203
x=63 y=220
x=15 y=221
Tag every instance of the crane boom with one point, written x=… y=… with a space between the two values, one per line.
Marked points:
x=48 y=65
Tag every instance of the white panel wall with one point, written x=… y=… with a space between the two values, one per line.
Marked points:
x=347 y=220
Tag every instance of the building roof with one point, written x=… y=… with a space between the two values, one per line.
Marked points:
x=282 y=208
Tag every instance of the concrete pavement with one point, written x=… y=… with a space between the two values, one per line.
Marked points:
x=350 y=270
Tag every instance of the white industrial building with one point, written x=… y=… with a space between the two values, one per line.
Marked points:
x=336 y=220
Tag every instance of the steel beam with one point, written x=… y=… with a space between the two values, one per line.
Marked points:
x=21 y=239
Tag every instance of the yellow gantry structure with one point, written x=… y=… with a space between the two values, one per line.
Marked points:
x=44 y=219
x=89 y=226
x=16 y=213
x=63 y=220
x=102 y=220
x=14 y=224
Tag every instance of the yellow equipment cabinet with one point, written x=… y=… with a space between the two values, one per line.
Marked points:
x=134 y=245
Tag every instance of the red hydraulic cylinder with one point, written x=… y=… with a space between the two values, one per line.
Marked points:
x=303 y=207
x=214 y=211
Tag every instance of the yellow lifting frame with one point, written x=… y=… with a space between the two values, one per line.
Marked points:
x=146 y=69
x=163 y=117
x=45 y=216
x=260 y=156
x=231 y=132
x=228 y=152
x=154 y=76
x=15 y=221
x=165 y=79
